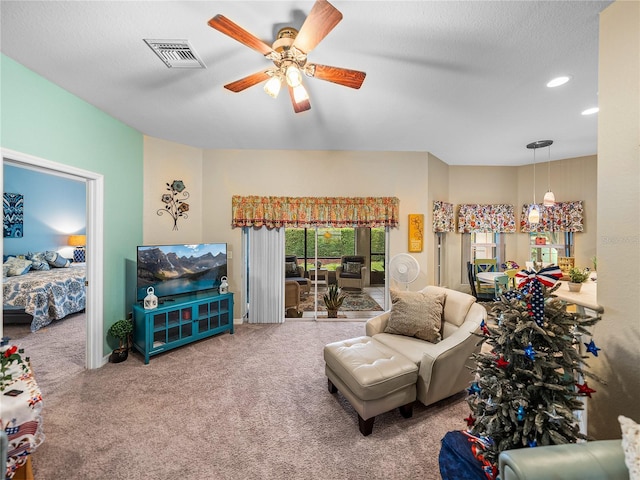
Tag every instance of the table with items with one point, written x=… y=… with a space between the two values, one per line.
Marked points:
x=20 y=409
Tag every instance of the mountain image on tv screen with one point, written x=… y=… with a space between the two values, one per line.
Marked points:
x=180 y=269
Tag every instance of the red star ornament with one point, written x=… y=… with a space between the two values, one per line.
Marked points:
x=583 y=389
x=502 y=363
x=470 y=420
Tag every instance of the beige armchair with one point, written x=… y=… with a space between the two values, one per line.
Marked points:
x=444 y=368
x=351 y=272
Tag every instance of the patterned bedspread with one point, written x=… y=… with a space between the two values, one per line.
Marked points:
x=47 y=295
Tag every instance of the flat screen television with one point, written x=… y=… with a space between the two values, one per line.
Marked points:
x=174 y=270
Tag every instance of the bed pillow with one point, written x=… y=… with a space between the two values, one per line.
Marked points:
x=39 y=261
x=631 y=446
x=16 y=266
x=56 y=260
x=416 y=314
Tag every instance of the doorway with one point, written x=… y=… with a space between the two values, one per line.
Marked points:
x=319 y=252
x=94 y=230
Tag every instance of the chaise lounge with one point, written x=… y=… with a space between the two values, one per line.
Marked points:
x=382 y=371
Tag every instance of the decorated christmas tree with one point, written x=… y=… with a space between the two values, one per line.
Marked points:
x=528 y=387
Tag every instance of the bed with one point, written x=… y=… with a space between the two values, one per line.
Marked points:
x=45 y=295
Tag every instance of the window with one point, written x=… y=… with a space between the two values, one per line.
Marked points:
x=481 y=245
x=548 y=246
x=333 y=243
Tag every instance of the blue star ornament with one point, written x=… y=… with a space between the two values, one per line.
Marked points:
x=530 y=353
x=591 y=348
x=474 y=388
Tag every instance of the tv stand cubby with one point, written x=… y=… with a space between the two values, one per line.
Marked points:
x=184 y=320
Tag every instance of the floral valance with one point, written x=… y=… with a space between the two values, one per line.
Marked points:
x=486 y=218
x=276 y=212
x=561 y=217
x=443 y=219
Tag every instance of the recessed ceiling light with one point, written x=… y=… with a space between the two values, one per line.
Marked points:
x=556 y=82
x=590 y=111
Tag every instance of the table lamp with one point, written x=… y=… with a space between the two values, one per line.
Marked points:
x=78 y=241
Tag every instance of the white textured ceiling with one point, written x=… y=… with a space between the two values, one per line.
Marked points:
x=463 y=80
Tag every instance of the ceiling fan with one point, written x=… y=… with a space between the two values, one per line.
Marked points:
x=289 y=55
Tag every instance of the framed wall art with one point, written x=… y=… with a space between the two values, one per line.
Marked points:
x=13 y=215
x=416 y=232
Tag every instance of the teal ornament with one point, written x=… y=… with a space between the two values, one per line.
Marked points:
x=520 y=415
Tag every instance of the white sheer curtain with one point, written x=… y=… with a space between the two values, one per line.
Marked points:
x=266 y=274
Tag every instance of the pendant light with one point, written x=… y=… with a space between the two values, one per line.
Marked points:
x=534 y=210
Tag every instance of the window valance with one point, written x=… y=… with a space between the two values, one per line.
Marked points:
x=443 y=219
x=561 y=217
x=276 y=212
x=486 y=218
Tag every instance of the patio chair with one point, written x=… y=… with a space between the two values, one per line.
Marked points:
x=295 y=272
x=351 y=272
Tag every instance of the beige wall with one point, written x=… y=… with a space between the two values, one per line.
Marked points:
x=311 y=173
x=618 y=334
x=571 y=179
x=165 y=162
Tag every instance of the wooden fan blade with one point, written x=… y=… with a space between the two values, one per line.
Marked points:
x=341 y=76
x=248 y=81
x=301 y=106
x=235 y=31
x=321 y=20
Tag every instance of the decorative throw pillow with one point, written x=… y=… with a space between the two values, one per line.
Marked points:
x=631 y=446
x=290 y=269
x=353 y=267
x=416 y=314
x=16 y=266
x=56 y=260
x=39 y=261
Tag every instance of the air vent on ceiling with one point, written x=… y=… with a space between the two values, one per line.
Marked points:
x=176 y=53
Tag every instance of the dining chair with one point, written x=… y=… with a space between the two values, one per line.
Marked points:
x=485 y=265
x=480 y=297
x=501 y=284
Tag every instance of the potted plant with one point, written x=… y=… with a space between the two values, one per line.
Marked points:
x=333 y=300
x=576 y=277
x=120 y=330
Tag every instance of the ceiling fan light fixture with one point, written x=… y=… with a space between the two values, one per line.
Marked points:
x=272 y=86
x=293 y=76
x=300 y=94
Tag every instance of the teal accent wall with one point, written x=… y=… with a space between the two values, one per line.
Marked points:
x=39 y=118
x=55 y=207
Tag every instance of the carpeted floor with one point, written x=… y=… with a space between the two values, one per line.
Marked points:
x=355 y=301
x=253 y=405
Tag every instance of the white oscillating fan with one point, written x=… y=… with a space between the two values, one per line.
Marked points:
x=404 y=269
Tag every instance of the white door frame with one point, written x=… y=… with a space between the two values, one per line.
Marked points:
x=95 y=243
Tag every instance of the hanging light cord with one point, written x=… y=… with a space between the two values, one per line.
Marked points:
x=548 y=169
x=534 y=175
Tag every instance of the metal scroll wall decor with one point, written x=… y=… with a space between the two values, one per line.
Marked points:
x=174 y=201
